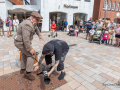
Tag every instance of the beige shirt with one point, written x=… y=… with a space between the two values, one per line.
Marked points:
x=25 y=32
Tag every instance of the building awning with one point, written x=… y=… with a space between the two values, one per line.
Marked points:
x=21 y=10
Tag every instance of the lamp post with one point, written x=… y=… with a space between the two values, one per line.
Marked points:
x=105 y=12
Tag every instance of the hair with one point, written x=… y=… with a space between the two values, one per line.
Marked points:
x=15 y=16
x=112 y=27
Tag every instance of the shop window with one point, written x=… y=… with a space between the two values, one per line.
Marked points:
x=117 y=6
x=109 y=7
x=105 y=4
x=113 y=7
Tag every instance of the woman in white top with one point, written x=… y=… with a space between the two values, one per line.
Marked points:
x=15 y=24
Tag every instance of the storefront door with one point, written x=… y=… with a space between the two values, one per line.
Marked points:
x=57 y=17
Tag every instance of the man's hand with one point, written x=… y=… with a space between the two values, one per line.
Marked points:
x=32 y=51
x=40 y=37
x=36 y=68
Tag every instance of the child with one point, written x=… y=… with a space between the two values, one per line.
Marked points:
x=111 y=32
x=92 y=31
x=105 y=37
x=76 y=31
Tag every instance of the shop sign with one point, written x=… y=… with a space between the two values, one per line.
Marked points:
x=69 y=6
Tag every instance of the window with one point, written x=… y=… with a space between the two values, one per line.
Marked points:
x=105 y=4
x=117 y=6
x=113 y=7
x=109 y=7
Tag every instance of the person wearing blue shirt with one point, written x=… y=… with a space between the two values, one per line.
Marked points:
x=112 y=24
x=89 y=24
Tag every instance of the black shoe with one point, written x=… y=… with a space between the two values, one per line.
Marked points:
x=61 y=76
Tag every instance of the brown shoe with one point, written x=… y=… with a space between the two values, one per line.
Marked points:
x=29 y=76
x=22 y=71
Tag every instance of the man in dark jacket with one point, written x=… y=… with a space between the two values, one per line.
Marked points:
x=59 y=48
x=1 y=26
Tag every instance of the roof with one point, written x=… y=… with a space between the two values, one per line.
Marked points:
x=17 y=2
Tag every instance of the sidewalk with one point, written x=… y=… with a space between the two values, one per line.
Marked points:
x=88 y=65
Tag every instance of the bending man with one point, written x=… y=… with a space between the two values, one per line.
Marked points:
x=60 y=49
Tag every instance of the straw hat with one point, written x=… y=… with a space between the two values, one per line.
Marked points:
x=9 y=15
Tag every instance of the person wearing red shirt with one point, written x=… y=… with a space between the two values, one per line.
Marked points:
x=53 y=29
x=53 y=26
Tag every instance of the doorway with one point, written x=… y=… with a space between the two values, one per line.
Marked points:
x=57 y=17
x=77 y=17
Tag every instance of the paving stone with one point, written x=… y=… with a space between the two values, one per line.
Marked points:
x=77 y=72
x=65 y=87
x=1 y=63
x=78 y=78
x=81 y=88
x=87 y=78
x=70 y=73
x=106 y=76
x=99 y=85
x=88 y=72
x=68 y=78
x=99 y=78
x=88 y=85
x=113 y=75
x=73 y=84
x=7 y=64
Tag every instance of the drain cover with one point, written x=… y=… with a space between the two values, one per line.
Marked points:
x=17 y=81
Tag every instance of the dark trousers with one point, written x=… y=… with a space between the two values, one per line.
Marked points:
x=48 y=59
x=39 y=27
x=104 y=41
x=62 y=28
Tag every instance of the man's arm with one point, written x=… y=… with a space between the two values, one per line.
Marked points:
x=41 y=59
x=54 y=67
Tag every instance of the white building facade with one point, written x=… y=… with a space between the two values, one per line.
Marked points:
x=56 y=10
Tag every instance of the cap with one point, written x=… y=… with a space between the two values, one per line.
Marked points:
x=47 y=48
x=37 y=15
x=9 y=15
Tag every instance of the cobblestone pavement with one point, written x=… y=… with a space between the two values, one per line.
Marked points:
x=88 y=65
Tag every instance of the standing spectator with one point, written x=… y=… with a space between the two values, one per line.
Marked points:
x=81 y=23
x=85 y=27
x=112 y=24
x=76 y=22
x=117 y=34
x=15 y=24
x=99 y=25
x=89 y=27
x=1 y=26
x=66 y=23
x=50 y=24
x=63 y=24
x=40 y=25
x=105 y=26
x=111 y=32
x=8 y=22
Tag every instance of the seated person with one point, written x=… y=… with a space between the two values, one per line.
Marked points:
x=53 y=26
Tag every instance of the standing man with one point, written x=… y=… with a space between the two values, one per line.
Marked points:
x=22 y=41
x=40 y=25
x=90 y=24
x=112 y=24
x=60 y=49
x=1 y=26
x=105 y=26
x=8 y=22
x=15 y=24
x=98 y=25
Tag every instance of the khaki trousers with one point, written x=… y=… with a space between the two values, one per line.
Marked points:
x=2 y=31
x=26 y=61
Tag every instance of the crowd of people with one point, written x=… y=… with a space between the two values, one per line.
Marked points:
x=109 y=30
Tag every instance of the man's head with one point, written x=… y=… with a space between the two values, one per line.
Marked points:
x=91 y=18
x=47 y=49
x=53 y=22
x=9 y=16
x=15 y=17
x=105 y=21
x=92 y=27
x=36 y=17
x=99 y=20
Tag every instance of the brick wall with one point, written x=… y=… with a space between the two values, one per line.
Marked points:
x=111 y=15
